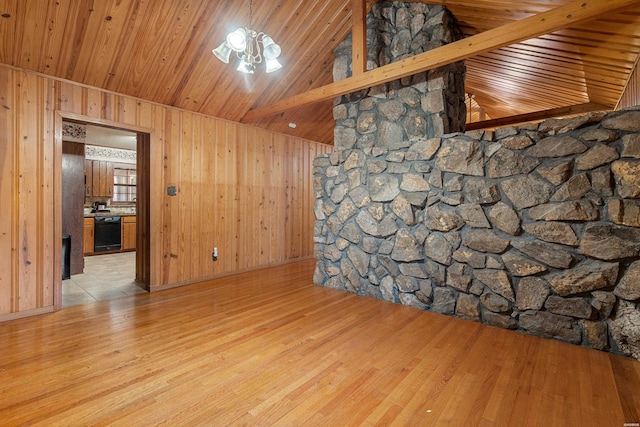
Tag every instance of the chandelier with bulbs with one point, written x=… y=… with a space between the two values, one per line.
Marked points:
x=251 y=48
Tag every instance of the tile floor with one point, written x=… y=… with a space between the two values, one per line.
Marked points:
x=105 y=277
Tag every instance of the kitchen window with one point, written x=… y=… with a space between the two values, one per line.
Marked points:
x=124 y=184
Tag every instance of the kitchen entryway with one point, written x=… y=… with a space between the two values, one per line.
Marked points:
x=105 y=277
x=113 y=177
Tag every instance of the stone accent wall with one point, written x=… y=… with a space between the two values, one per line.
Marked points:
x=392 y=114
x=533 y=228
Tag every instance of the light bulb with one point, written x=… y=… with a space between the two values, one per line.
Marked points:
x=271 y=49
x=272 y=64
x=222 y=52
x=237 y=40
x=246 y=66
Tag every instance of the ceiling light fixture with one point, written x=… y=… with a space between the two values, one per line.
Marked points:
x=251 y=48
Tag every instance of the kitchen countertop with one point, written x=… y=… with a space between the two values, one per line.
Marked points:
x=95 y=214
x=112 y=211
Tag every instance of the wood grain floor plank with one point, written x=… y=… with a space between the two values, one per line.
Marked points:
x=269 y=348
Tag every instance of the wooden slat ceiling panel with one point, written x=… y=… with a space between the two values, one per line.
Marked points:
x=589 y=63
x=161 y=50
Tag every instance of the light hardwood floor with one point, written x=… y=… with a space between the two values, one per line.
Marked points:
x=268 y=348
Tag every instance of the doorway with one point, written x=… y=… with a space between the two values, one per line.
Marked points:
x=115 y=273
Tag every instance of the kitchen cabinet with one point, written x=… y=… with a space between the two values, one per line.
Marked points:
x=98 y=178
x=102 y=178
x=88 y=236
x=128 y=233
x=88 y=178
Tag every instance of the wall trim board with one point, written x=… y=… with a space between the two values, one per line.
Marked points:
x=218 y=276
x=22 y=314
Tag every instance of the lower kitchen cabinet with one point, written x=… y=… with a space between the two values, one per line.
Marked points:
x=128 y=236
x=128 y=233
x=88 y=236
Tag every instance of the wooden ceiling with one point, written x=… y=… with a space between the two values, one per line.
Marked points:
x=160 y=50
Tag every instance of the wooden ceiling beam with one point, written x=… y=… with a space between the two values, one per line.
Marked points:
x=538 y=115
x=359 y=37
x=542 y=23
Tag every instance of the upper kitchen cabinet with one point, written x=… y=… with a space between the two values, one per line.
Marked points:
x=98 y=178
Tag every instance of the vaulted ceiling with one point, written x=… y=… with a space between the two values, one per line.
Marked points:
x=160 y=50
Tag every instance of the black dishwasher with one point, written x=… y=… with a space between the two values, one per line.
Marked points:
x=107 y=233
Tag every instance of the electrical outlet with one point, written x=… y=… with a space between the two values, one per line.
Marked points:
x=214 y=254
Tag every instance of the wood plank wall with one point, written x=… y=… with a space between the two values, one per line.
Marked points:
x=245 y=190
